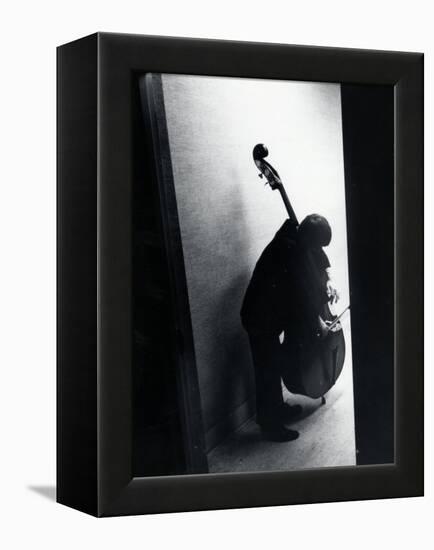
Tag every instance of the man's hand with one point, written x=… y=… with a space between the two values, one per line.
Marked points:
x=332 y=293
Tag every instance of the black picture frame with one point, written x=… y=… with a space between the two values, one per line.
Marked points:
x=95 y=174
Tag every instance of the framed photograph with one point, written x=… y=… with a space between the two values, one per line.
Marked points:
x=227 y=340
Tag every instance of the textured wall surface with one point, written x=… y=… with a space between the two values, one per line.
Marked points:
x=227 y=216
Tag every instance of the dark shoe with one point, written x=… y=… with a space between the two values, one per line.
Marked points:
x=289 y=412
x=279 y=433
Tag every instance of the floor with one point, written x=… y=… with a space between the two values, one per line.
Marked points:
x=326 y=436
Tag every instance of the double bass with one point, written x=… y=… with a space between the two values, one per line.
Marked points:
x=314 y=364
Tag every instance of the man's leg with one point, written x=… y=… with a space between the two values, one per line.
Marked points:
x=269 y=400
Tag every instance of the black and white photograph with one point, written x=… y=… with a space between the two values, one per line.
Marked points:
x=217 y=249
x=258 y=183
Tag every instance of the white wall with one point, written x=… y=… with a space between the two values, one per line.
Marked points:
x=227 y=216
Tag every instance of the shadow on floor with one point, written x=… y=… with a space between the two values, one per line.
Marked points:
x=47 y=491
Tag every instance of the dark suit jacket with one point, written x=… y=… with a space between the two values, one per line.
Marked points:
x=287 y=288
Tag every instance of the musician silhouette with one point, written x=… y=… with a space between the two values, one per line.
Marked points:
x=280 y=307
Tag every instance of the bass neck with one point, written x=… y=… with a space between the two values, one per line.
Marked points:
x=288 y=205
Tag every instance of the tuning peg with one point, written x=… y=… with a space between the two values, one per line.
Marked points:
x=260 y=176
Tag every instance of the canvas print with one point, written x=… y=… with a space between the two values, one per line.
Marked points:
x=251 y=183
